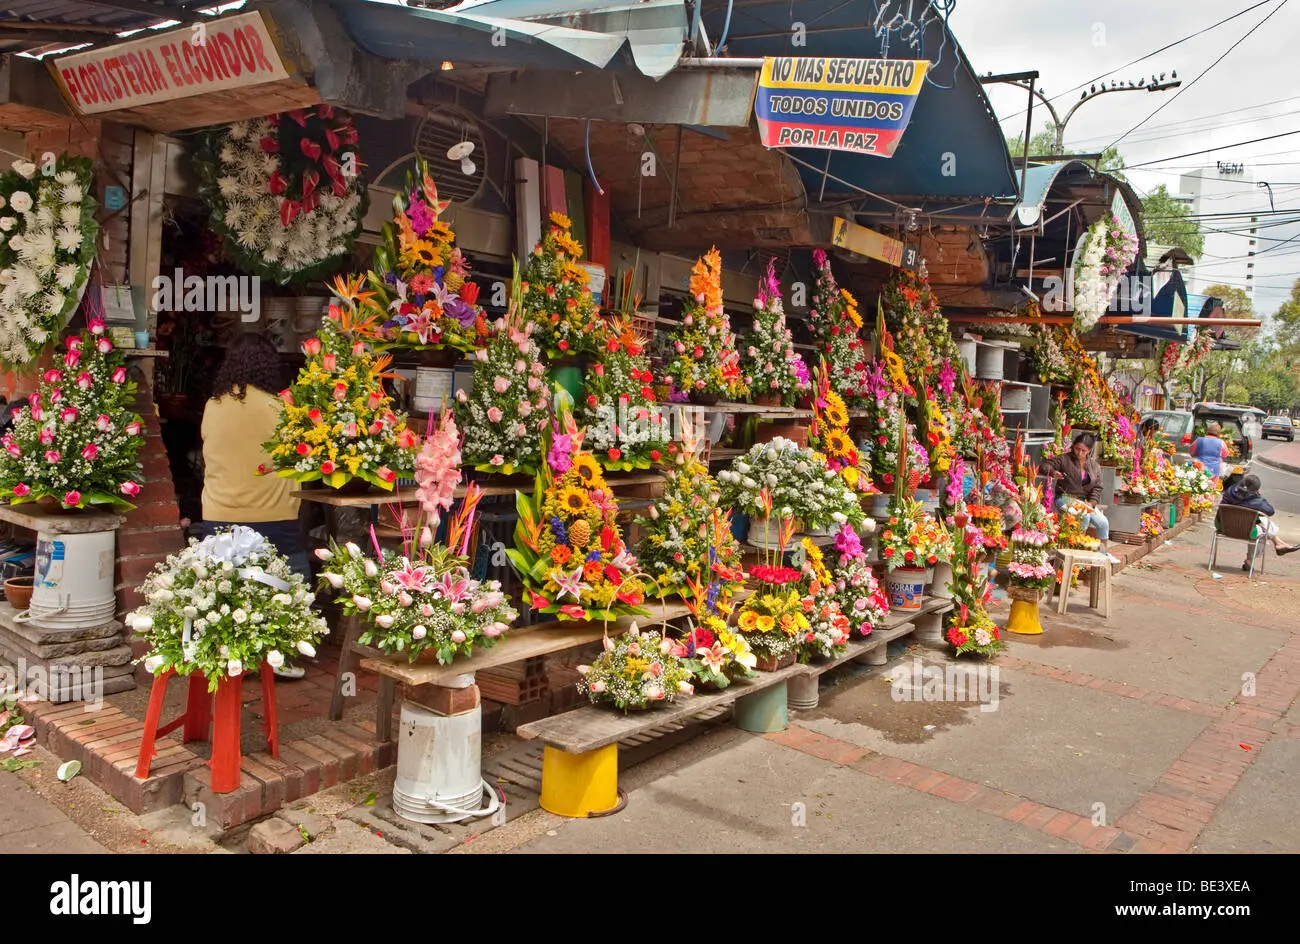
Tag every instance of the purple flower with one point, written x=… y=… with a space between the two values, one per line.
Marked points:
x=956 y=480
x=801 y=371
x=848 y=543
x=947 y=379
x=877 y=384
x=464 y=313
x=421 y=218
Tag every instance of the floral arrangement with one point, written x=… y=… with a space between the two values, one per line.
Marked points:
x=47 y=243
x=77 y=441
x=224 y=606
x=772 y=368
x=988 y=518
x=421 y=281
x=636 y=671
x=969 y=628
x=625 y=428
x=1106 y=253
x=861 y=598
x=557 y=294
x=886 y=468
x=1151 y=524
x=939 y=446
x=836 y=326
x=773 y=621
x=1032 y=542
x=787 y=477
x=1139 y=488
x=1070 y=533
x=507 y=408
x=686 y=535
x=829 y=628
x=912 y=312
x=568 y=550
x=423 y=599
x=716 y=654
x=337 y=422
x=705 y=363
x=1049 y=357
x=285 y=191
x=912 y=538
x=829 y=434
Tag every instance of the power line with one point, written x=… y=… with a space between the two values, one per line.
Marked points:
x=1150 y=54
x=1223 y=147
x=1169 y=101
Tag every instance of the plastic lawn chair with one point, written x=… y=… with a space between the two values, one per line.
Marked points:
x=1234 y=523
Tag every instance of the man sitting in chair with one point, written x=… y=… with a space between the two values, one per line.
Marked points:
x=1079 y=488
x=1245 y=494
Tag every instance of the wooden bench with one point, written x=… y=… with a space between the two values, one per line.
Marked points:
x=580 y=760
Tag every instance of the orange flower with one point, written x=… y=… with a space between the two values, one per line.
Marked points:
x=593 y=571
x=560 y=554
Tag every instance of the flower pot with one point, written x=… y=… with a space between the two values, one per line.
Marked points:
x=765 y=535
x=906 y=588
x=774 y=663
x=941 y=582
x=18 y=591
x=704 y=399
x=794 y=432
x=52 y=506
x=354 y=486
x=768 y=399
x=1026 y=594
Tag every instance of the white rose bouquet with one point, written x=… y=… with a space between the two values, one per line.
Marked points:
x=223 y=606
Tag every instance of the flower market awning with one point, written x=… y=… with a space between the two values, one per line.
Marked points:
x=517 y=34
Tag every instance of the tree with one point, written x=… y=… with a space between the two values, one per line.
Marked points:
x=1169 y=223
x=1236 y=303
x=1286 y=323
x=1044 y=143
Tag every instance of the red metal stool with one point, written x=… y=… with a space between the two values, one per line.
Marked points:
x=200 y=713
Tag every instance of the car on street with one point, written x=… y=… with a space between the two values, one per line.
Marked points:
x=1182 y=427
x=1279 y=426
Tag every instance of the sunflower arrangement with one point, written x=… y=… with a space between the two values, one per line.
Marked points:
x=337 y=422
x=557 y=294
x=420 y=280
x=772 y=367
x=568 y=549
x=705 y=363
x=625 y=428
x=773 y=622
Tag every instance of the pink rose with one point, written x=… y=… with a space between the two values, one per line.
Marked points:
x=68 y=414
x=72 y=358
x=85 y=381
x=119 y=375
x=90 y=453
x=21 y=490
x=72 y=499
x=96 y=326
x=133 y=429
x=14 y=451
x=533 y=383
x=525 y=408
x=52 y=376
x=104 y=345
x=501 y=385
x=494 y=414
x=46 y=437
x=498 y=460
x=56 y=395
x=329 y=362
x=311 y=347
x=74 y=344
x=52 y=456
x=129 y=489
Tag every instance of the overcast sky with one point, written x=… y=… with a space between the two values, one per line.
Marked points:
x=1253 y=92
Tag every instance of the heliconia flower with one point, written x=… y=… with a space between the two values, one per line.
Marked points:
x=119 y=376
x=306 y=648
x=90 y=452
x=129 y=489
x=311 y=347
x=103 y=422
x=52 y=456
x=132 y=429
x=334 y=580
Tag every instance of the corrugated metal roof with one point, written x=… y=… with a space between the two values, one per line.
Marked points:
x=131 y=15
x=1039 y=179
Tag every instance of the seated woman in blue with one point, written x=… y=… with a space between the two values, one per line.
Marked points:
x=1210 y=450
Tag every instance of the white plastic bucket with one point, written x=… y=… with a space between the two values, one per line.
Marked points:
x=73 y=584
x=435 y=387
x=906 y=587
x=989 y=362
x=439 y=765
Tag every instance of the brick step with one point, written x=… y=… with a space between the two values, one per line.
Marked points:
x=305 y=766
x=107 y=743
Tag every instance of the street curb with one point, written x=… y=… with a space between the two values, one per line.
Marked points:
x=1274 y=464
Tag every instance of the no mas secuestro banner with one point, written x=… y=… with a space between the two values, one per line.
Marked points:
x=859 y=105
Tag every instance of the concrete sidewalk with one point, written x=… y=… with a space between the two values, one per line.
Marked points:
x=29 y=823
x=1284 y=456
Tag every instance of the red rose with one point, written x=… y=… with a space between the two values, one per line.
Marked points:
x=563 y=345
x=615 y=454
x=592 y=400
x=889 y=552
x=327 y=467
x=655 y=455
x=303 y=449
x=909 y=556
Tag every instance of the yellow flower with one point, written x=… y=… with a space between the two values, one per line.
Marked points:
x=574 y=501
x=764 y=623
x=836 y=412
x=426 y=254
x=588 y=469
x=838 y=444
x=559 y=219
x=851 y=474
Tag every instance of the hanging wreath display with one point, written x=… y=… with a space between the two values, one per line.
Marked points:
x=1106 y=252
x=285 y=191
x=47 y=244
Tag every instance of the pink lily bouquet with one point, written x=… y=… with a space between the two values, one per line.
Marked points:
x=423 y=601
x=76 y=442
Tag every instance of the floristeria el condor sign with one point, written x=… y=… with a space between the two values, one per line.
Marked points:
x=211 y=56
